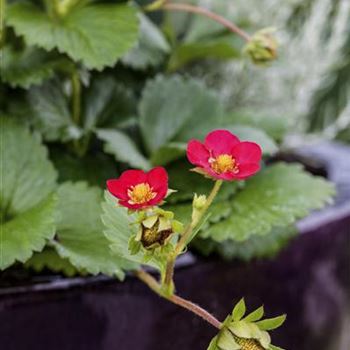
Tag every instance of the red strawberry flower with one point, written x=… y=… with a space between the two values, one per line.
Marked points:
x=223 y=156
x=137 y=189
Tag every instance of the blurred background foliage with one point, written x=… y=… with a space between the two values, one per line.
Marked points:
x=90 y=100
x=309 y=85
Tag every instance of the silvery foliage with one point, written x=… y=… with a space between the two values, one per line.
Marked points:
x=308 y=54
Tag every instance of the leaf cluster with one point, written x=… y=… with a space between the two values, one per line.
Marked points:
x=89 y=89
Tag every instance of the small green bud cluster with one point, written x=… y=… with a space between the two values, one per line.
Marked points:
x=262 y=47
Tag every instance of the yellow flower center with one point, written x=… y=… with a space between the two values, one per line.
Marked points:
x=223 y=163
x=141 y=193
x=248 y=344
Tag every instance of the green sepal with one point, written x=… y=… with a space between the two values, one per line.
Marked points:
x=248 y=330
x=271 y=323
x=239 y=310
x=265 y=339
x=274 y=347
x=255 y=315
x=212 y=345
x=226 y=341
x=166 y=213
x=170 y=192
x=244 y=329
x=150 y=221
x=177 y=226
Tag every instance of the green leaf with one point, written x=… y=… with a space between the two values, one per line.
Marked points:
x=247 y=133
x=123 y=148
x=49 y=259
x=277 y=196
x=168 y=153
x=96 y=34
x=25 y=68
x=95 y=168
x=80 y=237
x=239 y=310
x=27 y=233
x=50 y=112
x=176 y=109
x=27 y=206
x=107 y=103
x=119 y=227
x=29 y=177
x=151 y=48
x=266 y=246
x=218 y=48
x=275 y=127
x=255 y=315
x=271 y=323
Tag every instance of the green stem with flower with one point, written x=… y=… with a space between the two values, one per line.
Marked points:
x=198 y=213
x=160 y=238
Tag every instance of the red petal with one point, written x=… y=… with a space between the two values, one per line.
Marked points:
x=117 y=188
x=158 y=198
x=220 y=142
x=132 y=206
x=133 y=177
x=247 y=152
x=158 y=179
x=213 y=174
x=197 y=154
x=247 y=170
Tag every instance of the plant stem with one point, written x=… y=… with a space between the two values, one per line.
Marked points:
x=196 y=309
x=76 y=97
x=79 y=145
x=187 y=234
x=148 y=279
x=2 y=23
x=151 y=282
x=207 y=13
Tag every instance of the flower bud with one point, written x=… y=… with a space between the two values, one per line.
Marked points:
x=197 y=207
x=199 y=201
x=262 y=47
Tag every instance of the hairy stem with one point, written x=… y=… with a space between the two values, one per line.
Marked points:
x=196 y=309
x=188 y=232
x=207 y=13
x=151 y=282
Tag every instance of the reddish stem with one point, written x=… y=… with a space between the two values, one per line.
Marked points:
x=196 y=309
x=186 y=304
x=214 y=16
